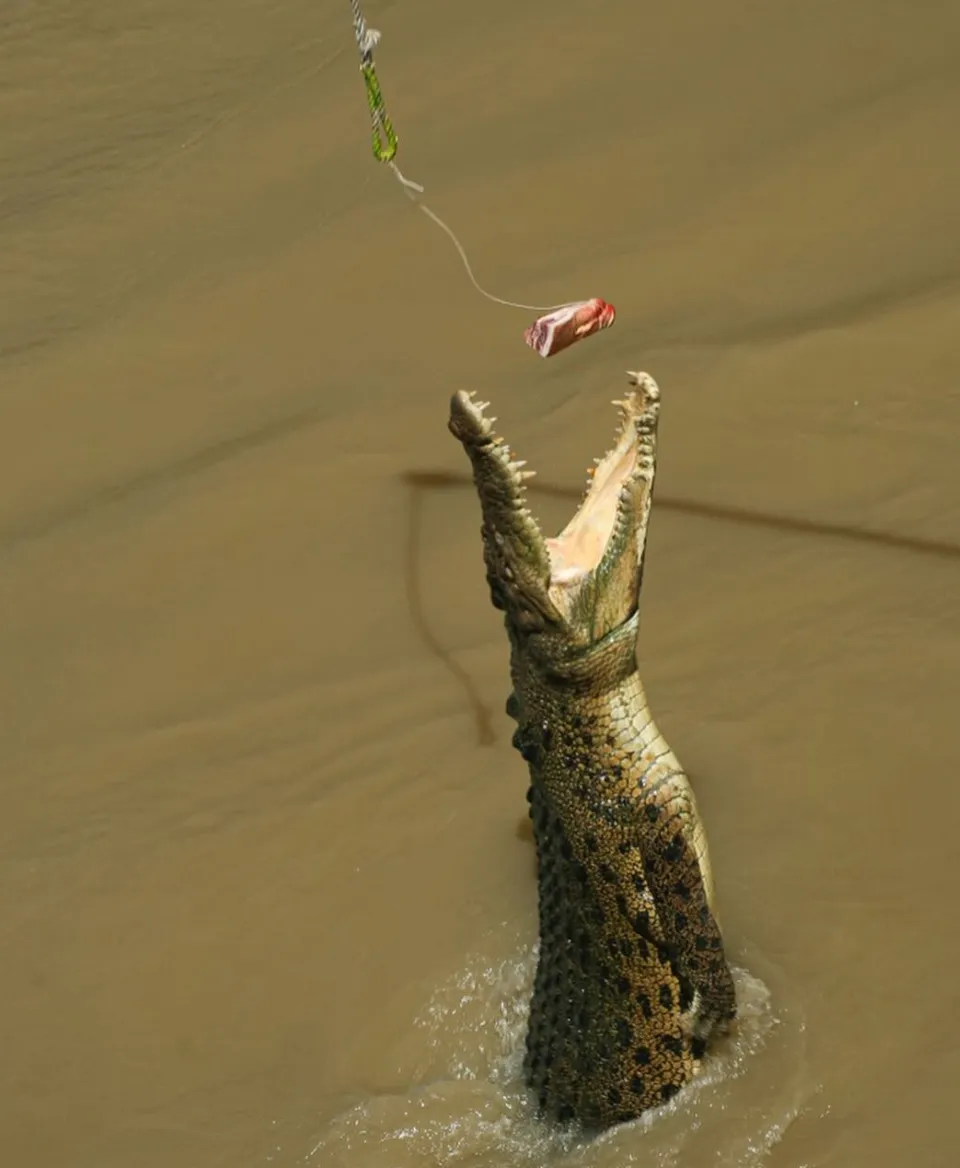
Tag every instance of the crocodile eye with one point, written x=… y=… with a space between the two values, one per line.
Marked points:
x=498 y=596
x=525 y=616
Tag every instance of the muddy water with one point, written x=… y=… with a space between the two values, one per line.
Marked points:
x=264 y=895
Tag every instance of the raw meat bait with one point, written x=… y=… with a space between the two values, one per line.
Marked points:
x=565 y=326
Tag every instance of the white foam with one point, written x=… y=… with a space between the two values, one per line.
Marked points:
x=468 y=1107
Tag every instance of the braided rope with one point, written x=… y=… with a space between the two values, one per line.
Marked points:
x=384 y=140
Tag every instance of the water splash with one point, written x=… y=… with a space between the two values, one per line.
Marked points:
x=468 y=1108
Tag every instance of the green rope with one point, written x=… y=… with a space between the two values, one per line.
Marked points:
x=384 y=138
x=384 y=135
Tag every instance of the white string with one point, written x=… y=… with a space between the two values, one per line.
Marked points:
x=411 y=190
x=367 y=41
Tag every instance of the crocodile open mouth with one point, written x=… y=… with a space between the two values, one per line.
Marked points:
x=579 y=548
x=600 y=551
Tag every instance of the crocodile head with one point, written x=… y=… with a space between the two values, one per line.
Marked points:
x=585 y=582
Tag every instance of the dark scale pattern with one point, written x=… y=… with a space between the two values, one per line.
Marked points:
x=620 y=911
x=690 y=927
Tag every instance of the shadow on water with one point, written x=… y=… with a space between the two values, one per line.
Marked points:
x=422 y=482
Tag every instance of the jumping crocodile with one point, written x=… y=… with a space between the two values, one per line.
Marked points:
x=632 y=982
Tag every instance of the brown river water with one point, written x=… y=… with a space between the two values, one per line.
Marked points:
x=266 y=896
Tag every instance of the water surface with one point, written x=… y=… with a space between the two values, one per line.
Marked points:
x=263 y=894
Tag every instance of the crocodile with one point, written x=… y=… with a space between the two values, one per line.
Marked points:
x=632 y=985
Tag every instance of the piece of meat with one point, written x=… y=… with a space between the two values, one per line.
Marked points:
x=565 y=326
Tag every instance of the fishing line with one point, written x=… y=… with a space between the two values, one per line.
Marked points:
x=564 y=323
